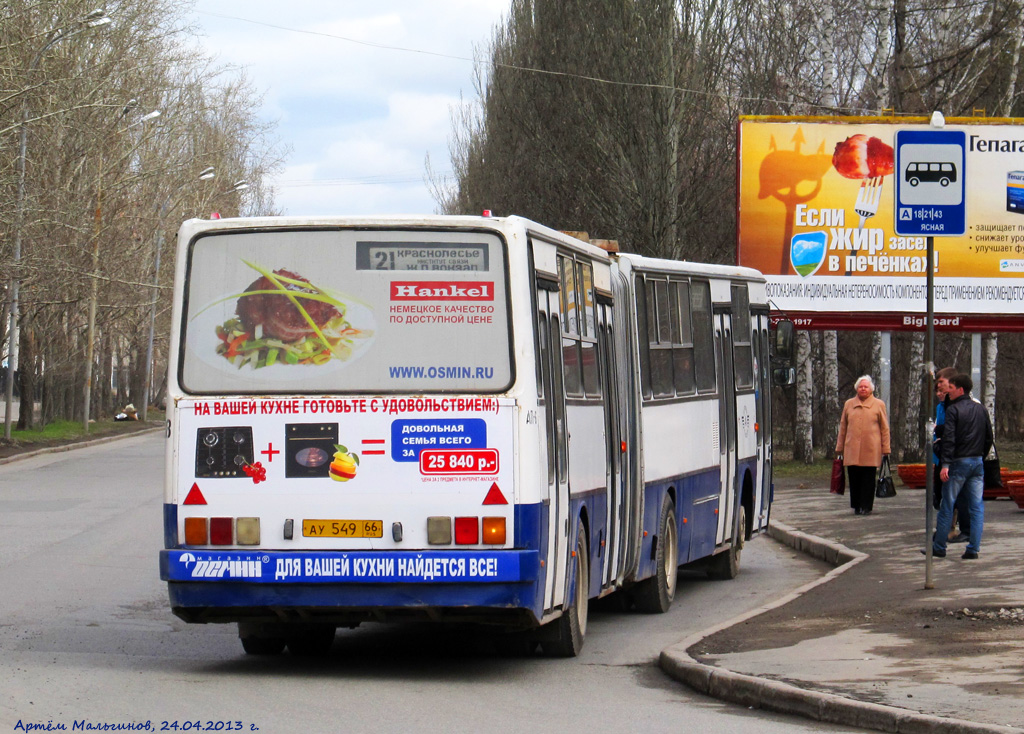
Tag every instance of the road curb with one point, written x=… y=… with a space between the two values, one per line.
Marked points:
x=78 y=445
x=785 y=698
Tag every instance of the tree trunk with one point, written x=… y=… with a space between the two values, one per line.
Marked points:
x=1017 y=30
x=803 y=439
x=989 y=353
x=876 y=362
x=27 y=375
x=899 y=54
x=911 y=434
x=830 y=389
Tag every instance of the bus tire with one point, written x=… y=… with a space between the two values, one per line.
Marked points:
x=568 y=631
x=726 y=566
x=312 y=641
x=263 y=645
x=655 y=595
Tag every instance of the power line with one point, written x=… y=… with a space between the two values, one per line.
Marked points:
x=514 y=67
x=535 y=70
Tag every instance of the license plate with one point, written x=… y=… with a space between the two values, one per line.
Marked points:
x=342 y=528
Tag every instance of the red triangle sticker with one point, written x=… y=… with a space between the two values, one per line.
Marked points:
x=494 y=496
x=194 y=497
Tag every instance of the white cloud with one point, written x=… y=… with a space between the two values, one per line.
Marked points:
x=355 y=112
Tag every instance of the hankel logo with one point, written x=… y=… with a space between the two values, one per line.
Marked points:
x=439 y=290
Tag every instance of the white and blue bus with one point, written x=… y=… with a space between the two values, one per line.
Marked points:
x=455 y=418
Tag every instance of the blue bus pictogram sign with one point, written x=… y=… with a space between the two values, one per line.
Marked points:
x=931 y=183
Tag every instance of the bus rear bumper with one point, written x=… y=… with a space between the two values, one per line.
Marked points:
x=230 y=586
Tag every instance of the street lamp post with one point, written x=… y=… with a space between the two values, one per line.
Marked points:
x=205 y=175
x=93 y=20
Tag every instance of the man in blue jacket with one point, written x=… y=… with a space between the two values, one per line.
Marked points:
x=966 y=439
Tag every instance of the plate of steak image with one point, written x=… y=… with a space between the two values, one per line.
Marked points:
x=282 y=323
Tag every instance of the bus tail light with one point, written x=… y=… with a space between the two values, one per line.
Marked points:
x=439 y=530
x=195 y=531
x=494 y=531
x=221 y=530
x=247 y=530
x=467 y=530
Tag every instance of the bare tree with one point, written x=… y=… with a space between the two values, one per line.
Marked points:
x=105 y=180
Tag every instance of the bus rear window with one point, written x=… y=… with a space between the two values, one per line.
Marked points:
x=338 y=311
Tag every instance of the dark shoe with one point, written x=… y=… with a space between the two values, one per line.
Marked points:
x=936 y=554
x=865 y=512
x=961 y=538
x=858 y=511
x=969 y=555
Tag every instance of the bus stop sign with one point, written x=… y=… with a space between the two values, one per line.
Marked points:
x=930 y=183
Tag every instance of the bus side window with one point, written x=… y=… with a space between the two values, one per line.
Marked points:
x=682 y=348
x=643 y=340
x=703 y=336
x=661 y=342
x=542 y=356
x=743 y=366
x=547 y=386
x=571 y=320
x=588 y=341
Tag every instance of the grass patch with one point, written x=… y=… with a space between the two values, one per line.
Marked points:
x=789 y=469
x=71 y=431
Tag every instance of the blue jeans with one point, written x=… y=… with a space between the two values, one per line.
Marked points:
x=967 y=477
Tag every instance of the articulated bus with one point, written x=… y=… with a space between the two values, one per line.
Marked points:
x=470 y=419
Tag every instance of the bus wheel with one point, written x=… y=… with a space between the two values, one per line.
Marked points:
x=655 y=595
x=263 y=645
x=568 y=631
x=315 y=640
x=726 y=565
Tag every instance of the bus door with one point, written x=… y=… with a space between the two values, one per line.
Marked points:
x=762 y=375
x=554 y=435
x=616 y=507
x=726 y=426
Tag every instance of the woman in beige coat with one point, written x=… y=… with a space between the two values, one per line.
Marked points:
x=863 y=441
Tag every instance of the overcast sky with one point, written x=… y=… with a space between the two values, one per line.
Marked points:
x=360 y=115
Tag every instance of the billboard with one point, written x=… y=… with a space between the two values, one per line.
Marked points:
x=817 y=216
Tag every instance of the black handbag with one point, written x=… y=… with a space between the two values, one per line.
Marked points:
x=886 y=487
x=993 y=479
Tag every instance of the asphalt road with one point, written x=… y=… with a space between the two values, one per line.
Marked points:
x=86 y=635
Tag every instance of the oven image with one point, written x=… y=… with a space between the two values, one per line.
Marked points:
x=308 y=449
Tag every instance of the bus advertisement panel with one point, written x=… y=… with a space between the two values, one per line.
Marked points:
x=816 y=216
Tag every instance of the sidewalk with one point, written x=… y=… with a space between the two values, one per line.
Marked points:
x=867 y=645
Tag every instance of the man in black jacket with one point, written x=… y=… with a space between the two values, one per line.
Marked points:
x=966 y=439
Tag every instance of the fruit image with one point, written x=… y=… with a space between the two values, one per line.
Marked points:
x=343 y=465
